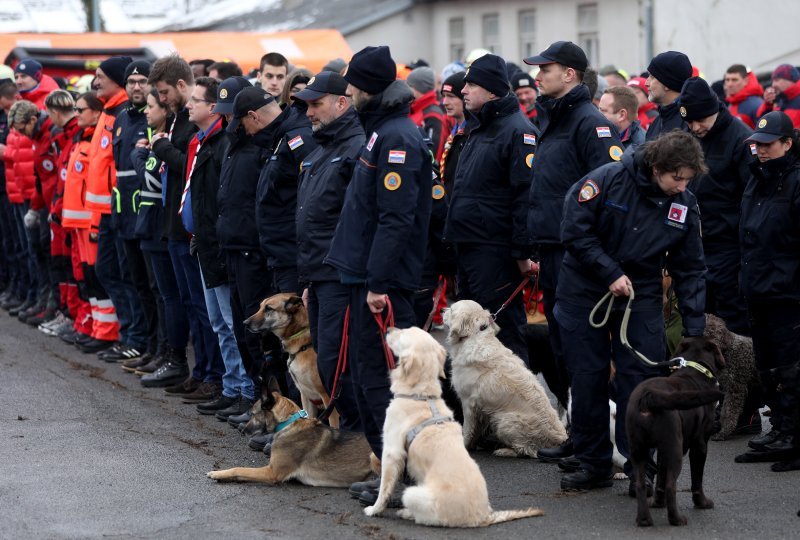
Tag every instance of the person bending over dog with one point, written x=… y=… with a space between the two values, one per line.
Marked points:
x=623 y=223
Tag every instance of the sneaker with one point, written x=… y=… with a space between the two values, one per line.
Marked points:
x=51 y=327
x=758 y=443
x=120 y=352
x=132 y=365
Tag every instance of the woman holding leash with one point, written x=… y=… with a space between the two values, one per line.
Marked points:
x=770 y=281
x=623 y=224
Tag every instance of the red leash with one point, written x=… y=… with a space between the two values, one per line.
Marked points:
x=515 y=293
x=436 y=297
x=384 y=324
x=341 y=366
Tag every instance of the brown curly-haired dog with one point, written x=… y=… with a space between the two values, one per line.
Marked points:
x=740 y=376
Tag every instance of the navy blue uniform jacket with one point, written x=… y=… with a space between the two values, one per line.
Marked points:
x=669 y=118
x=576 y=138
x=617 y=221
x=324 y=178
x=289 y=140
x=383 y=229
x=489 y=203
x=770 y=231
x=129 y=127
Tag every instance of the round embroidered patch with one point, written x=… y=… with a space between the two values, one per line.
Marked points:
x=615 y=152
x=63 y=174
x=529 y=161
x=392 y=181
x=438 y=192
x=104 y=142
x=682 y=110
x=223 y=93
x=78 y=166
x=151 y=163
x=762 y=123
x=47 y=165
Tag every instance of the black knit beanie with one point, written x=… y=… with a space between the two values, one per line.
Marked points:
x=697 y=100
x=489 y=72
x=371 y=69
x=114 y=68
x=671 y=68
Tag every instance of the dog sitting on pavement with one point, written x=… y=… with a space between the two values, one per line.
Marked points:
x=674 y=415
x=498 y=393
x=419 y=434
x=285 y=316
x=304 y=449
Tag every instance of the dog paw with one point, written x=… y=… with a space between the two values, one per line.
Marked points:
x=678 y=520
x=214 y=475
x=405 y=513
x=703 y=503
x=620 y=476
x=504 y=452
x=371 y=511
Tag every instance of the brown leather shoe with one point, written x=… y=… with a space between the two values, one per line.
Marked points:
x=185 y=388
x=135 y=363
x=203 y=393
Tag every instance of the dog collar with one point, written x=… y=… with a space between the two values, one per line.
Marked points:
x=416 y=397
x=300 y=333
x=681 y=362
x=291 y=420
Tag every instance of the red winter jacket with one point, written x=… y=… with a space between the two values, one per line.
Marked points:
x=24 y=176
x=745 y=103
x=64 y=141
x=44 y=162
x=647 y=114
x=38 y=93
x=428 y=114
x=788 y=102
x=14 y=143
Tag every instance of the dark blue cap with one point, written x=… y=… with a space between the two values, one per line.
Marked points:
x=227 y=92
x=565 y=53
x=771 y=127
x=322 y=84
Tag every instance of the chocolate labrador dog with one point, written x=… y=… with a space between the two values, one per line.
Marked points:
x=675 y=415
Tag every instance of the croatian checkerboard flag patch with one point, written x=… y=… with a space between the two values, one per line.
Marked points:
x=527 y=138
x=753 y=149
x=397 y=156
x=603 y=132
x=677 y=213
x=296 y=142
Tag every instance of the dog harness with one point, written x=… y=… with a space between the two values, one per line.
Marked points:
x=435 y=419
x=680 y=362
x=293 y=355
x=291 y=420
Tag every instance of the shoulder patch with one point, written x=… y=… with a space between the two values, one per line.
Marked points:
x=438 y=192
x=615 y=152
x=104 y=142
x=682 y=112
x=753 y=149
x=603 y=132
x=296 y=142
x=151 y=163
x=397 y=156
x=588 y=191
x=392 y=181
x=79 y=166
x=528 y=138
x=47 y=165
x=119 y=131
x=677 y=213
x=529 y=161
x=372 y=140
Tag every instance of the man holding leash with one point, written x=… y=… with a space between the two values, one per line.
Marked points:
x=379 y=246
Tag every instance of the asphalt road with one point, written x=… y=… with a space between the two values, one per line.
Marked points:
x=88 y=453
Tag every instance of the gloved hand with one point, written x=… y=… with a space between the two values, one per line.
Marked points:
x=31 y=219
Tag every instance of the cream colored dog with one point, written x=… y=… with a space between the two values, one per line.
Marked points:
x=450 y=490
x=498 y=392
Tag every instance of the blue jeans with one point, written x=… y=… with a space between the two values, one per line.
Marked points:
x=208 y=366
x=235 y=381
x=112 y=271
x=175 y=314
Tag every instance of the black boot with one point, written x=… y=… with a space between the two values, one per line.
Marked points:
x=240 y=406
x=584 y=480
x=222 y=402
x=556 y=454
x=173 y=371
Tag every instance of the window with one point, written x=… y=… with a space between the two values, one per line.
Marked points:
x=491 y=33
x=527 y=33
x=587 y=32
x=457 y=38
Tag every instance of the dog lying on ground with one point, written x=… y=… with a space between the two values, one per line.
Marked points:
x=285 y=316
x=675 y=415
x=739 y=377
x=498 y=392
x=306 y=450
x=419 y=433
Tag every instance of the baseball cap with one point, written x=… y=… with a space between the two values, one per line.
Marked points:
x=248 y=99
x=520 y=79
x=771 y=127
x=321 y=84
x=227 y=92
x=640 y=83
x=565 y=53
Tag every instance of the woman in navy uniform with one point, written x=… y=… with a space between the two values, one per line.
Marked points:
x=623 y=224
x=770 y=280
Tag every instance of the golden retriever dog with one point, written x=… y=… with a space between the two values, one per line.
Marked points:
x=498 y=392
x=285 y=316
x=419 y=434
x=305 y=449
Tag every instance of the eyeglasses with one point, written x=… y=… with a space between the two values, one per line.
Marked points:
x=195 y=100
x=134 y=84
x=79 y=110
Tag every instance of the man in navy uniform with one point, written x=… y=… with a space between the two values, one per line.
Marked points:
x=379 y=244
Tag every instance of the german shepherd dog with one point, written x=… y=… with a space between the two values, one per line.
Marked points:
x=305 y=450
x=285 y=316
x=675 y=415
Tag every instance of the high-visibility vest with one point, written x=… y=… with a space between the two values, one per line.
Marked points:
x=102 y=176
x=75 y=214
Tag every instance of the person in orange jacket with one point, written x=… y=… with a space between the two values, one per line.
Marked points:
x=94 y=318
x=111 y=265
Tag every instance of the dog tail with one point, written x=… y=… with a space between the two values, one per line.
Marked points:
x=688 y=399
x=510 y=515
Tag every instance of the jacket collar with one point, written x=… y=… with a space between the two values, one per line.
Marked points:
x=555 y=108
x=344 y=127
x=391 y=103
x=492 y=110
x=424 y=101
x=793 y=91
x=116 y=100
x=752 y=88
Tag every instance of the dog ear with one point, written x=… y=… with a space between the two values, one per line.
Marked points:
x=461 y=326
x=441 y=356
x=714 y=349
x=293 y=304
x=273 y=386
